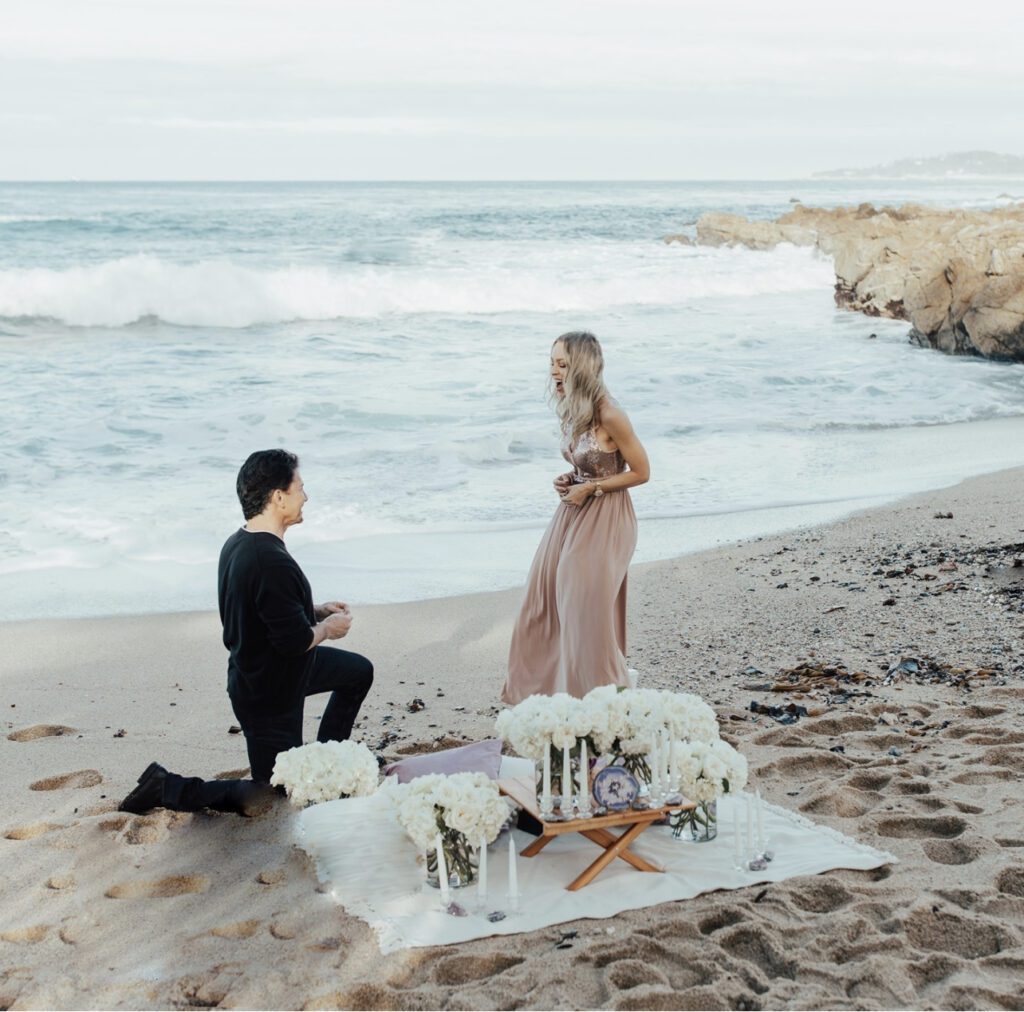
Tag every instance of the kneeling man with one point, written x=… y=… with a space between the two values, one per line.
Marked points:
x=273 y=634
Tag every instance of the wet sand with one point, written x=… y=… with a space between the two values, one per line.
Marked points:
x=104 y=910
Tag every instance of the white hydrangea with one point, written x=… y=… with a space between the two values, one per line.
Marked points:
x=468 y=803
x=707 y=771
x=326 y=771
x=688 y=717
x=539 y=721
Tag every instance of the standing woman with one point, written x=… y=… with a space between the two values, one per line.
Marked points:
x=571 y=632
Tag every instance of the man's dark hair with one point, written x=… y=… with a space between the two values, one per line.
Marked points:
x=262 y=474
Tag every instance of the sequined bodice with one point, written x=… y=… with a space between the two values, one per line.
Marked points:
x=589 y=461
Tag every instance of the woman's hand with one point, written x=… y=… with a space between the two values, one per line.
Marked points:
x=563 y=483
x=577 y=495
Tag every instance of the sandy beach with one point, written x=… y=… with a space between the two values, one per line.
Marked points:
x=105 y=910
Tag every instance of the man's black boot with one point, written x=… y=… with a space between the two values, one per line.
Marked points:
x=149 y=794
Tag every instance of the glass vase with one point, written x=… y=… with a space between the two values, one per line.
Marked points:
x=697 y=825
x=461 y=860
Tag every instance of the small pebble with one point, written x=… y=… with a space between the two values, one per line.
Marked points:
x=496 y=915
x=456 y=910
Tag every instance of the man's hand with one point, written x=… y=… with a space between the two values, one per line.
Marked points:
x=562 y=483
x=333 y=621
x=336 y=625
x=321 y=611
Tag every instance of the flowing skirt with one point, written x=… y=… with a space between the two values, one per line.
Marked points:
x=571 y=632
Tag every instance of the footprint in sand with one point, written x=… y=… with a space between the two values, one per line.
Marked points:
x=820 y=764
x=1011 y=881
x=950 y=851
x=455 y=970
x=161 y=888
x=26 y=936
x=630 y=973
x=821 y=896
x=40 y=731
x=910 y=828
x=80 y=778
x=31 y=831
x=718 y=920
x=939 y=931
x=240 y=929
x=753 y=944
x=978 y=712
x=833 y=726
x=867 y=781
x=846 y=804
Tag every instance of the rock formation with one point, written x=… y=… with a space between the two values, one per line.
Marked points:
x=956 y=276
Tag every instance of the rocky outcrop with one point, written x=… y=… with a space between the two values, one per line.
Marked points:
x=956 y=276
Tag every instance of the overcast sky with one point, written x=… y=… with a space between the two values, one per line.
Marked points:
x=459 y=89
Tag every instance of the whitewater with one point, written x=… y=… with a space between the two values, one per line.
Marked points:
x=396 y=337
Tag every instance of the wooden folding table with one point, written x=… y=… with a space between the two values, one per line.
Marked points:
x=634 y=822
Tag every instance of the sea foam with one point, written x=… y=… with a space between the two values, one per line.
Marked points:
x=222 y=293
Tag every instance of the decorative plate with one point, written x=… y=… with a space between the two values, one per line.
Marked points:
x=615 y=788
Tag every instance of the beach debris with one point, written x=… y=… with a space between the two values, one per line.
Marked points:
x=456 y=910
x=895 y=752
x=788 y=714
x=120 y=732
x=496 y=915
x=927 y=670
x=415 y=705
x=943 y=516
x=838 y=748
x=761 y=895
x=838 y=607
x=234 y=729
x=757 y=864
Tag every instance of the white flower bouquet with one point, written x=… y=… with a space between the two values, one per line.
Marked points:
x=707 y=771
x=465 y=809
x=326 y=771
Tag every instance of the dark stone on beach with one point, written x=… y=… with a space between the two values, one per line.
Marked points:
x=456 y=910
x=234 y=729
x=496 y=915
x=415 y=705
x=895 y=752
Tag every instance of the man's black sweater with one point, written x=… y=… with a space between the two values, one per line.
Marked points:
x=266 y=607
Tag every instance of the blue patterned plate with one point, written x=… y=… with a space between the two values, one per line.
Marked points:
x=615 y=788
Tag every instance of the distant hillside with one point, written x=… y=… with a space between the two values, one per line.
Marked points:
x=958 y=165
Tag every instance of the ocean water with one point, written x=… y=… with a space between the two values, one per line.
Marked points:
x=396 y=336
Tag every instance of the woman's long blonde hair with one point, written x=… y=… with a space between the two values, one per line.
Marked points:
x=583 y=385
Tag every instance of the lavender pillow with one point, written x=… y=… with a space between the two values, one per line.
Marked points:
x=479 y=757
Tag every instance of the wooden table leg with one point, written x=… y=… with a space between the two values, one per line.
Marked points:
x=605 y=839
x=613 y=851
x=536 y=847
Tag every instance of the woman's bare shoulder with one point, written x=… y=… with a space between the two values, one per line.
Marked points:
x=610 y=412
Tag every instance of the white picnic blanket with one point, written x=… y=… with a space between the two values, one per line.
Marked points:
x=371 y=867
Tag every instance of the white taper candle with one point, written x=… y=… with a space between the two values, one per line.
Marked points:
x=566 y=783
x=584 y=791
x=673 y=766
x=736 y=832
x=442 y=871
x=750 y=829
x=545 y=798
x=513 y=877
x=760 y=825
x=481 y=882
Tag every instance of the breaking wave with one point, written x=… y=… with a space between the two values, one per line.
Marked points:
x=223 y=293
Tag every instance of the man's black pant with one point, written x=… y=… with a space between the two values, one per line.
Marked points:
x=346 y=675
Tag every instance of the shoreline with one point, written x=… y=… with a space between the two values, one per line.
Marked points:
x=108 y=910
x=370 y=571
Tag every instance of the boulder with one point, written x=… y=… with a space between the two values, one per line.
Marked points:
x=957 y=276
